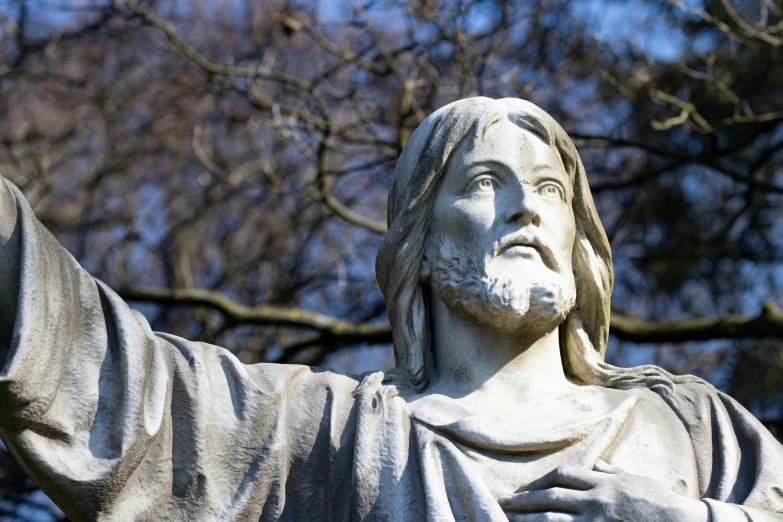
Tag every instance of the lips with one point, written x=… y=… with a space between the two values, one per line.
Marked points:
x=521 y=247
x=525 y=245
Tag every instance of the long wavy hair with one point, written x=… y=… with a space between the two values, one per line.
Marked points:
x=422 y=164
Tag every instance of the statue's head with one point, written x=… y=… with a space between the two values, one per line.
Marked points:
x=490 y=209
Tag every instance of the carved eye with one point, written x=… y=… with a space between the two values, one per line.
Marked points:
x=484 y=184
x=551 y=190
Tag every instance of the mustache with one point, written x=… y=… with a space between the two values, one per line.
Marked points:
x=528 y=239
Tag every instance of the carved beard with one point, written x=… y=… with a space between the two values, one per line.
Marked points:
x=522 y=301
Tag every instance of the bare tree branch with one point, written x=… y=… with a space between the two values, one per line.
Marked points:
x=745 y=33
x=769 y=323
x=236 y=313
x=346 y=213
x=583 y=140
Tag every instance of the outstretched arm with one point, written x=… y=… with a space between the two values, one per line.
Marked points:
x=117 y=422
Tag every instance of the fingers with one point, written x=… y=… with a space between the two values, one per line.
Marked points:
x=563 y=476
x=553 y=499
x=544 y=517
x=605 y=467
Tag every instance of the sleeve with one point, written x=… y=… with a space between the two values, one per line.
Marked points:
x=116 y=422
x=740 y=463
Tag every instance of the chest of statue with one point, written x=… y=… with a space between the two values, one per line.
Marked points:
x=461 y=462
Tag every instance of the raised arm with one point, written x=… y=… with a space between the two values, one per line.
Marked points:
x=117 y=422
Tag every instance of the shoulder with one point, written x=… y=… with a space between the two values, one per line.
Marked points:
x=696 y=403
x=740 y=460
x=701 y=406
x=710 y=413
x=692 y=399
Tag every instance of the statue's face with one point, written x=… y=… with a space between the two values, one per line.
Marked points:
x=502 y=232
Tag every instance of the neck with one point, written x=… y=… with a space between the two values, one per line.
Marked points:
x=481 y=365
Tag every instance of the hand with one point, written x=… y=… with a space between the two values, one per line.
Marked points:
x=571 y=494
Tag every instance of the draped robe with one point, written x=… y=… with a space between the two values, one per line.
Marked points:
x=117 y=422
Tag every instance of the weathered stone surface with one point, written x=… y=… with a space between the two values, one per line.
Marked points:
x=497 y=275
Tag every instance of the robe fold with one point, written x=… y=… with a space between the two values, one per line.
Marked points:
x=117 y=422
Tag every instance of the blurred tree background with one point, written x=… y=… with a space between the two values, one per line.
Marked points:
x=224 y=164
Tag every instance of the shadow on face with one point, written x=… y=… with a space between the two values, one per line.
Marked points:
x=507 y=200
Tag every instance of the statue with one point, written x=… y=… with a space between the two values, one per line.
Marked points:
x=497 y=276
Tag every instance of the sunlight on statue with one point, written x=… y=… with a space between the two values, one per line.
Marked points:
x=497 y=275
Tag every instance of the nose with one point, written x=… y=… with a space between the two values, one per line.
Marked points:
x=523 y=209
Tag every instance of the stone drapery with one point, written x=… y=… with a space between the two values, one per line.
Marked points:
x=117 y=422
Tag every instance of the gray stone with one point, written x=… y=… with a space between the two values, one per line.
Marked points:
x=497 y=276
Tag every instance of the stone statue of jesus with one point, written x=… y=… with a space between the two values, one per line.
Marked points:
x=497 y=275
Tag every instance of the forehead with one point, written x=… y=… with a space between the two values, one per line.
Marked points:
x=507 y=143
